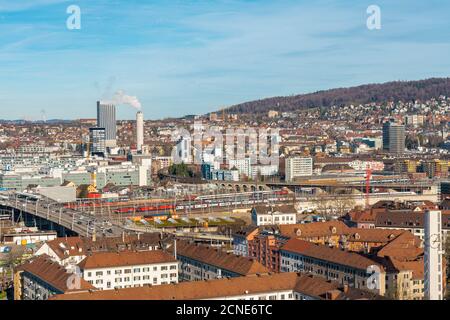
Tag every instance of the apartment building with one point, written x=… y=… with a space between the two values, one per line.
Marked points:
x=264 y=170
x=198 y=262
x=273 y=215
x=241 y=239
x=278 y=286
x=328 y=233
x=70 y=251
x=412 y=221
x=298 y=167
x=115 y=270
x=264 y=247
x=41 y=278
x=332 y=264
x=244 y=166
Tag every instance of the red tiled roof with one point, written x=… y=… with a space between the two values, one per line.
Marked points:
x=326 y=253
x=52 y=273
x=315 y=229
x=125 y=258
x=215 y=257
x=233 y=287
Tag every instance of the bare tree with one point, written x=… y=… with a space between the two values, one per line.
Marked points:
x=343 y=205
x=322 y=204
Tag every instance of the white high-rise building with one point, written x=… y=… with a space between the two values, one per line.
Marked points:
x=139 y=131
x=106 y=118
x=298 y=167
x=183 y=150
x=244 y=166
x=433 y=255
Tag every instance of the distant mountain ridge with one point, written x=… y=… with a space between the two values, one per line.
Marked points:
x=380 y=93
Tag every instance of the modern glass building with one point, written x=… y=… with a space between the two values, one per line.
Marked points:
x=106 y=118
x=397 y=138
x=97 y=137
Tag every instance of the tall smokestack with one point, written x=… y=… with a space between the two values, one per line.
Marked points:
x=139 y=131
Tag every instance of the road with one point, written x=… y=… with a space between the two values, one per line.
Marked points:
x=79 y=222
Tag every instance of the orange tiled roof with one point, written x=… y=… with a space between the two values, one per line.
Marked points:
x=315 y=229
x=125 y=258
x=249 y=285
x=326 y=253
x=51 y=272
x=215 y=257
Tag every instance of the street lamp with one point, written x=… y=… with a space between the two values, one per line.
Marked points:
x=48 y=209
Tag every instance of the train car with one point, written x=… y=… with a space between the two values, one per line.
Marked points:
x=282 y=192
x=124 y=210
x=156 y=208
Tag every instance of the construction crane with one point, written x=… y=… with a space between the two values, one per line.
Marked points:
x=368 y=177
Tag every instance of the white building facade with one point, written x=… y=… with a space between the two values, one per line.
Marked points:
x=298 y=167
x=132 y=269
x=433 y=255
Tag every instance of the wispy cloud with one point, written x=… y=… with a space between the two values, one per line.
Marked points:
x=193 y=56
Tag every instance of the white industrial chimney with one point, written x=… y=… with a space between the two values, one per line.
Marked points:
x=139 y=131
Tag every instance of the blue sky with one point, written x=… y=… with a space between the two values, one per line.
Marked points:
x=194 y=56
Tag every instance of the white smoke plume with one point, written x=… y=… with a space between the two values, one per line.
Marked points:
x=120 y=98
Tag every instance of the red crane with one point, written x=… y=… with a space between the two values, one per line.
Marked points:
x=368 y=177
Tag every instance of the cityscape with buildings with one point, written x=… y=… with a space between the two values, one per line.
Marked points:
x=342 y=194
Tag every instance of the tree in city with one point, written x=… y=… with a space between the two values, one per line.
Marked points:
x=322 y=204
x=343 y=205
x=13 y=259
x=180 y=170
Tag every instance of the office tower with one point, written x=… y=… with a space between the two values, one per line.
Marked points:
x=97 y=138
x=106 y=118
x=433 y=266
x=298 y=167
x=386 y=126
x=139 y=131
x=396 y=138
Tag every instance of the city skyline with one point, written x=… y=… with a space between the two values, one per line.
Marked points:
x=188 y=57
